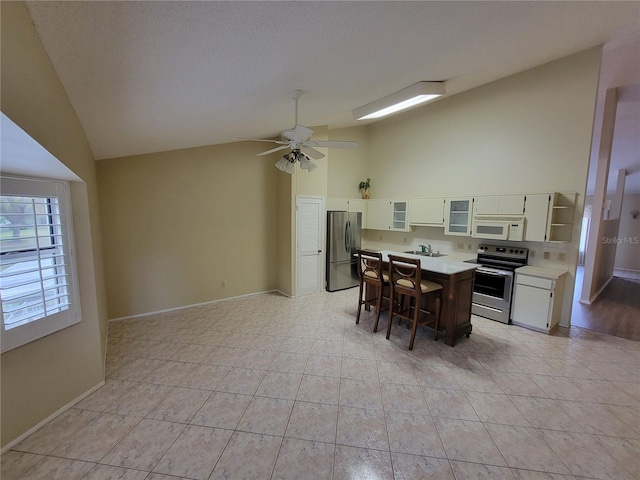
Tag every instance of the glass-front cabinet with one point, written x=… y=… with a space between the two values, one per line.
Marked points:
x=458 y=216
x=400 y=218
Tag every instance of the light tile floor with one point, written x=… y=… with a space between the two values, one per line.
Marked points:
x=269 y=387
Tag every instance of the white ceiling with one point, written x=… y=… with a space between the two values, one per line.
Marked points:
x=155 y=76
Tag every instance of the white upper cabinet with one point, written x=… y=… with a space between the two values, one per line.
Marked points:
x=549 y=217
x=400 y=215
x=340 y=204
x=349 y=205
x=457 y=216
x=499 y=205
x=536 y=212
x=385 y=214
x=359 y=205
x=378 y=214
x=426 y=211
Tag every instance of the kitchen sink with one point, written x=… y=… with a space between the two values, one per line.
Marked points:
x=426 y=254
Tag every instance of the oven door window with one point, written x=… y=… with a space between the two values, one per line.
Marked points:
x=492 y=284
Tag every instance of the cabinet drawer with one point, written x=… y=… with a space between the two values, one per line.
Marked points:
x=545 y=283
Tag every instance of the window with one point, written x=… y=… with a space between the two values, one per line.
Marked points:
x=36 y=268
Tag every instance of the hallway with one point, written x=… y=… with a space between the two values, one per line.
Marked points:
x=616 y=311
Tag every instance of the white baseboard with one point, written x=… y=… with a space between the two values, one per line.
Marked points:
x=595 y=295
x=631 y=272
x=50 y=417
x=129 y=317
x=283 y=294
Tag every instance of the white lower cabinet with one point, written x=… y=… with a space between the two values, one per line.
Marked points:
x=537 y=300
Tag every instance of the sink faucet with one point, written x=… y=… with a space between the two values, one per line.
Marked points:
x=425 y=248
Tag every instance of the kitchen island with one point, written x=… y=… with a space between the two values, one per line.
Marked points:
x=456 y=279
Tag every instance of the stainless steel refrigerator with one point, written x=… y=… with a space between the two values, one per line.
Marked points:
x=344 y=231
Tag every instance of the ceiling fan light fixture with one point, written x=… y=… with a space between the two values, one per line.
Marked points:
x=284 y=164
x=411 y=96
x=298 y=139
x=305 y=162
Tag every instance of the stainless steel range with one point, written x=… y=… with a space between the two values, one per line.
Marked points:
x=493 y=288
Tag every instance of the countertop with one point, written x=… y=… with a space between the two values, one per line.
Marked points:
x=444 y=264
x=542 y=272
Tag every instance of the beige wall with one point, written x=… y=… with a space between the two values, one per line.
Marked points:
x=44 y=376
x=628 y=250
x=625 y=240
x=286 y=214
x=528 y=133
x=178 y=225
x=348 y=167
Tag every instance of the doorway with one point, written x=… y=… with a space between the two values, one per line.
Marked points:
x=309 y=244
x=607 y=289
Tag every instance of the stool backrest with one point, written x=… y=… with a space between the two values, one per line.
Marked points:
x=370 y=265
x=404 y=274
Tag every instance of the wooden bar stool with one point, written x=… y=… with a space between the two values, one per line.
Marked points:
x=370 y=273
x=407 y=292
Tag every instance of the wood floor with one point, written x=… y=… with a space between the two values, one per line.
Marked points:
x=616 y=311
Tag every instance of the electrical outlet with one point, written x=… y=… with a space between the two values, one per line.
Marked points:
x=380 y=237
x=532 y=253
x=469 y=247
x=460 y=246
x=405 y=239
x=547 y=255
x=222 y=284
x=562 y=256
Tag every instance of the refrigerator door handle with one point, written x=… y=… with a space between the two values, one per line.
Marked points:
x=347 y=236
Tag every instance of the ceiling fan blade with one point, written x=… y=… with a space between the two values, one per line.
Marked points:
x=330 y=144
x=312 y=152
x=302 y=133
x=282 y=147
x=261 y=140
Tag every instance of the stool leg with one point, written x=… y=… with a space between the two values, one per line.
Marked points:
x=414 y=327
x=392 y=303
x=378 y=308
x=437 y=312
x=359 y=302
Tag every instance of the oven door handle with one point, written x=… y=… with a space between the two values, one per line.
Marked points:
x=495 y=273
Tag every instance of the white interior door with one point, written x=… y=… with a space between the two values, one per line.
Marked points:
x=309 y=244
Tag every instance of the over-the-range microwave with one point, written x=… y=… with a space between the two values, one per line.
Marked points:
x=498 y=227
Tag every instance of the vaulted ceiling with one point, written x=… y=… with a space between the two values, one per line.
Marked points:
x=155 y=76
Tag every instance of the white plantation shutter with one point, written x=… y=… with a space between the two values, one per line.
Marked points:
x=36 y=264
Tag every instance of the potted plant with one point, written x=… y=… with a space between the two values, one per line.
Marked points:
x=364 y=188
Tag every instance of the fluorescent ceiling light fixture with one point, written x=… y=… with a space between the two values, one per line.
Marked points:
x=406 y=98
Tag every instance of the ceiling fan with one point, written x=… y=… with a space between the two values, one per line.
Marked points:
x=298 y=140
